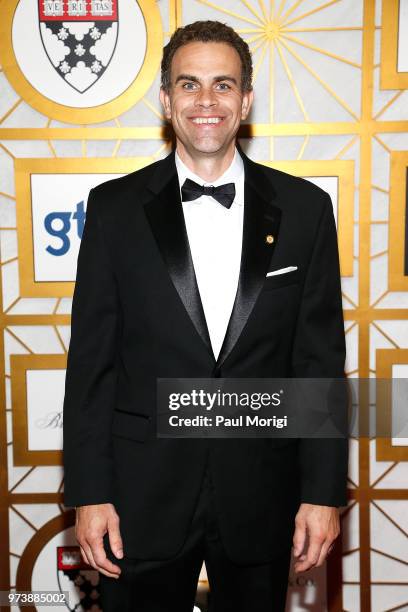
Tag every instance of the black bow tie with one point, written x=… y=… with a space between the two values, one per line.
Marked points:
x=224 y=194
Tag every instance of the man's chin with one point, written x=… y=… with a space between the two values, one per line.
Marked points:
x=208 y=148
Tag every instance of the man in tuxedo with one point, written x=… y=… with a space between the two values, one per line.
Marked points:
x=173 y=282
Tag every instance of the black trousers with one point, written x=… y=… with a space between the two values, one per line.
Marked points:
x=170 y=585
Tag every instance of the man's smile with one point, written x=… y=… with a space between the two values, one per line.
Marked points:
x=213 y=121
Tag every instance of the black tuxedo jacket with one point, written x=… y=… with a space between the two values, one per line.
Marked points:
x=137 y=315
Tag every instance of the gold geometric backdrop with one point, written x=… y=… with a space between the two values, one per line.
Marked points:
x=79 y=87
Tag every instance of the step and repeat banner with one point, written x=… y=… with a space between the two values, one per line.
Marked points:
x=79 y=86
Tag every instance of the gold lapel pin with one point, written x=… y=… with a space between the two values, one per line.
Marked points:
x=269 y=239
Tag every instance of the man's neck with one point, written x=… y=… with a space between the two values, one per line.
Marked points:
x=208 y=168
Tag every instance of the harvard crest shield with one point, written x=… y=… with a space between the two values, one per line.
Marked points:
x=79 y=38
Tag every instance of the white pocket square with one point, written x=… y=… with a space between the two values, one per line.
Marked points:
x=282 y=271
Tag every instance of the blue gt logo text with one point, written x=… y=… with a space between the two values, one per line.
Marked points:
x=59 y=224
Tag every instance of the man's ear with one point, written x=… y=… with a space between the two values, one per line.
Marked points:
x=247 y=100
x=165 y=102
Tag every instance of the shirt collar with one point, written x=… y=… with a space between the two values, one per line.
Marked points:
x=232 y=174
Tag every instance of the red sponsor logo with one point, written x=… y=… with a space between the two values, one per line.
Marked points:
x=69 y=558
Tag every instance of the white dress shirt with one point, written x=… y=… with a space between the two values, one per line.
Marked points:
x=215 y=237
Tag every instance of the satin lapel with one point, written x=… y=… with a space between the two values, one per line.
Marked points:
x=261 y=219
x=165 y=214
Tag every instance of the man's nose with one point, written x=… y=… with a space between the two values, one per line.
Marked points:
x=206 y=97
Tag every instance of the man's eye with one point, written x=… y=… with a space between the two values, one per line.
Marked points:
x=189 y=85
x=223 y=86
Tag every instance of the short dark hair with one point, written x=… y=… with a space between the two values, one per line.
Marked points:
x=207 y=31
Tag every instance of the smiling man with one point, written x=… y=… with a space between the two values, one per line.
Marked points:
x=202 y=265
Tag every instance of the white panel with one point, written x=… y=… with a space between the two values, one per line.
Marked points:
x=397 y=330
x=352 y=349
x=44 y=410
x=378 y=277
x=7 y=211
x=39 y=338
x=353 y=462
x=379 y=239
x=397 y=510
x=350 y=528
x=381 y=566
x=10 y=283
x=403 y=36
x=8 y=245
x=45 y=479
x=65 y=306
x=58 y=209
x=65 y=333
x=351 y=567
x=38 y=514
x=34 y=306
x=397 y=478
x=386 y=537
x=351 y=598
x=399 y=408
x=396 y=299
x=20 y=532
x=389 y=597
x=349 y=285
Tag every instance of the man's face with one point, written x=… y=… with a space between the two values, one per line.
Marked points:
x=205 y=103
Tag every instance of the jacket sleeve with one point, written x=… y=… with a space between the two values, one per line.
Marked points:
x=91 y=370
x=319 y=352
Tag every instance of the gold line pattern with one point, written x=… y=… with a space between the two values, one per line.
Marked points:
x=6 y=150
x=316 y=10
x=293 y=8
x=380 y=478
x=272 y=27
x=388 y=517
x=14 y=487
x=322 y=29
x=19 y=340
x=24 y=518
x=393 y=99
x=52 y=148
x=154 y=110
x=381 y=552
x=263 y=9
x=292 y=82
x=60 y=339
x=387 y=336
x=277 y=14
x=227 y=12
x=320 y=50
x=346 y=147
x=11 y=110
x=251 y=9
x=7 y=261
x=319 y=79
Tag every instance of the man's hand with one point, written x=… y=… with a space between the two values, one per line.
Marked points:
x=92 y=522
x=320 y=525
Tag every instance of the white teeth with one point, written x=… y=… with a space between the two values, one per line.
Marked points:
x=201 y=120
